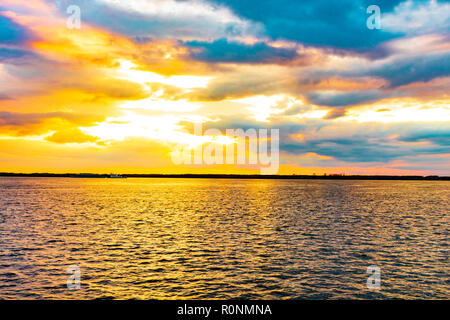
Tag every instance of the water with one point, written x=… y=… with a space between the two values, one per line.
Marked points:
x=220 y=239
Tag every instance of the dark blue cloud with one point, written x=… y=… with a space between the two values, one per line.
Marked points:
x=343 y=99
x=437 y=134
x=415 y=69
x=349 y=150
x=18 y=57
x=361 y=149
x=223 y=50
x=339 y=24
x=375 y=144
x=368 y=143
x=11 y=54
x=10 y=32
x=397 y=72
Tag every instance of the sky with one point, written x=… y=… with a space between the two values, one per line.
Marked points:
x=120 y=92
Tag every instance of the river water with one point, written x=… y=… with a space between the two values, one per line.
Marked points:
x=223 y=238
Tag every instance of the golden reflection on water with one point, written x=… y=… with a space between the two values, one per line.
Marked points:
x=219 y=238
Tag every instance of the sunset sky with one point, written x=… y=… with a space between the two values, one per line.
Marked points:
x=119 y=93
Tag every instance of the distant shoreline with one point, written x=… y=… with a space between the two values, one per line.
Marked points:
x=231 y=176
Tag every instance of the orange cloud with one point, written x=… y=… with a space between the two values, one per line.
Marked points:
x=23 y=124
x=71 y=136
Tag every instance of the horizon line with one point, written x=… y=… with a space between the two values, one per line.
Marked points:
x=224 y=175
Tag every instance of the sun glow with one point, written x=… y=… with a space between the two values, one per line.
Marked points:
x=161 y=105
x=163 y=129
x=263 y=106
x=128 y=71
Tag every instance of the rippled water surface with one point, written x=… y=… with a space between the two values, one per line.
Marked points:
x=213 y=238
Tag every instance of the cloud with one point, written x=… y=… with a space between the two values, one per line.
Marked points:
x=246 y=81
x=11 y=32
x=338 y=24
x=350 y=141
x=414 y=69
x=418 y=17
x=74 y=135
x=143 y=19
x=223 y=50
x=438 y=134
x=9 y=55
x=373 y=142
x=344 y=99
x=395 y=73
x=296 y=109
x=23 y=124
x=25 y=64
x=334 y=114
